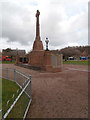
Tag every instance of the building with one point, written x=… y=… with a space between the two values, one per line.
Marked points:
x=13 y=52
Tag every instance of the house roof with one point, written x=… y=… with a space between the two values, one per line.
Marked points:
x=13 y=52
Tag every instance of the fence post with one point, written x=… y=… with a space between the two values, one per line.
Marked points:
x=14 y=74
x=30 y=78
x=7 y=73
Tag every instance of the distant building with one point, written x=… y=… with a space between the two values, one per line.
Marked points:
x=13 y=52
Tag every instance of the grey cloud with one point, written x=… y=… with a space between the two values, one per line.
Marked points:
x=18 y=23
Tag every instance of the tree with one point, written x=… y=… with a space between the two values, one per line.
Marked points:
x=7 y=50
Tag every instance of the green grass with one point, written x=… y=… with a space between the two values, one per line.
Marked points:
x=21 y=106
x=8 y=89
x=83 y=62
x=7 y=62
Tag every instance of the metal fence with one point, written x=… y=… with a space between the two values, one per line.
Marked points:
x=23 y=81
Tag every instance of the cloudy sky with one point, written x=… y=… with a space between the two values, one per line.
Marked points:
x=64 y=22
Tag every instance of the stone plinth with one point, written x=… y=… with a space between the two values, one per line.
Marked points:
x=46 y=61
x=52 y=62
x=36 y=58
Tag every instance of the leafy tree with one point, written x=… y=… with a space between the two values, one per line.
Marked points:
x=7 y=50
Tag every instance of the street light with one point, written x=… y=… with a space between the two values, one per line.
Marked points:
x=47 y=41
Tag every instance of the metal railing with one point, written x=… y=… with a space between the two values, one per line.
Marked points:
x=23 y=81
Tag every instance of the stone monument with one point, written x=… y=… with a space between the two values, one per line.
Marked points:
x=39 y=58
x=43 y=59
x=37 y=43
x=36 y=55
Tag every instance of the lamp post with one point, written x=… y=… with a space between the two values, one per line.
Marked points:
x=47 y=41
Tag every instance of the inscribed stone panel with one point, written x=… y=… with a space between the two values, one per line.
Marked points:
x=54 y=60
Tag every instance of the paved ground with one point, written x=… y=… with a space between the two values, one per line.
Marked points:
x=59 y=95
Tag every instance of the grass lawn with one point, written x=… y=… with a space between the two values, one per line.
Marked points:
x=8 y=89
x=21 y=106
x=83 y=62
x=7 y=62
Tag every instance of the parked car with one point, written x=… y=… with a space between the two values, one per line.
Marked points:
x=6 y=58
x=71 y=58
x=83 y=58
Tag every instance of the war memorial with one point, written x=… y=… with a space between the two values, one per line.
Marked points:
x=40 y=58
x=53 y=94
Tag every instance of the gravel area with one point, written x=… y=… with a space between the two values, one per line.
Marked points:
x=58 y=95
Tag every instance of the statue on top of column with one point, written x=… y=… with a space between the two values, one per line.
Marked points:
x=38 y=13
